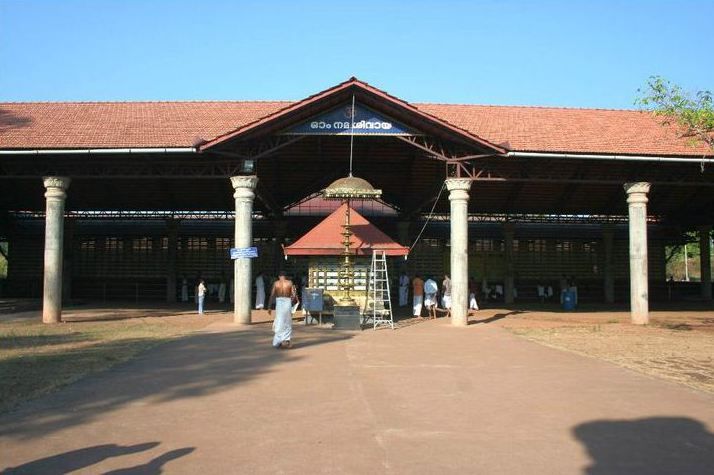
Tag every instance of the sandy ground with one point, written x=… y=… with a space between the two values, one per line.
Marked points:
x=677 y=345
x=424 y=398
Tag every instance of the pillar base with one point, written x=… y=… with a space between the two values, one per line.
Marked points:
x=347 y=317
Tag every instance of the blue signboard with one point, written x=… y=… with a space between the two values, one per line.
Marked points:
x=338 y=122
x=249 y=252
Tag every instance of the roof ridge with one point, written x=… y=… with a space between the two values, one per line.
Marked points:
x=504 y=106
x=197 y=101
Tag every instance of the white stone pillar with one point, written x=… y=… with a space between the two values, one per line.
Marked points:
x=608 y=237
x=637 y=205
x=508 y=254
x=242 y=279
x=459 y=198
x=705 y=260
x=54 y=243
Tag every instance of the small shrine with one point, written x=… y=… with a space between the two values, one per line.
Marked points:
x=324 y=246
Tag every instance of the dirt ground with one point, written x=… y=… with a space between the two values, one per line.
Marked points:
x=677 y=345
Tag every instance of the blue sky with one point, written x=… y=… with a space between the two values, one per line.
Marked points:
x=570 y=53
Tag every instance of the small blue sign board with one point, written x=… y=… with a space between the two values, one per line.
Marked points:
x=248 y=252
x=339 y=121
x=314 y=301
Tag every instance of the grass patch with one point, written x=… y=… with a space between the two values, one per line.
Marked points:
x=36 y=359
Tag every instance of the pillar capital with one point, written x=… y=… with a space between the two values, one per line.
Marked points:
x=637 y=192
x=56 y=186
x=458 y=188
x=453 y=184
x=244 y=186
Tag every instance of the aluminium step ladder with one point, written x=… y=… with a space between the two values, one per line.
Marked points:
x=378 y=305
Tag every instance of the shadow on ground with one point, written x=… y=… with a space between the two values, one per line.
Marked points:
x=496 y=317
x=84 y=458
x=192 y=366
x=656 y=445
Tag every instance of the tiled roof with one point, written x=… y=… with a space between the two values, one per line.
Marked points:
x=325 y=239
x=183 y=124
x=552 y=129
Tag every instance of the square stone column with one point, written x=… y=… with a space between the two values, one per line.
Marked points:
x=705 y=252
x=55 y=196
x=637 y=207
x=608 y=238
x=459 y=198
x=244 y=187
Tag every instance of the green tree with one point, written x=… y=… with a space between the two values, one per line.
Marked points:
x=694 y=113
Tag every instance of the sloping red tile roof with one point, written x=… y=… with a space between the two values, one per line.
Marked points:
x=49 y=125
x=553 y=129
x=325 y=239
x=123 y=124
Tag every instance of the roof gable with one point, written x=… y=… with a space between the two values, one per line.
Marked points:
x=344 y=94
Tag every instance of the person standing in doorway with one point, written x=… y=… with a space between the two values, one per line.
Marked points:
x=282 y=294
x=200 y=295
x=403 y=289
x=259 y=292
x=473 y=304
x=184 y=290
x=418 y=293
x=222 y=289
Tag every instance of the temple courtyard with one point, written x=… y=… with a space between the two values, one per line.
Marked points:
x=520 y=390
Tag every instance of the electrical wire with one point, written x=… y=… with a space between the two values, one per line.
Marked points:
x=352 y=130
x=431 y=213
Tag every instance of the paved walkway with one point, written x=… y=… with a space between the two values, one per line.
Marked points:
x=427 y=398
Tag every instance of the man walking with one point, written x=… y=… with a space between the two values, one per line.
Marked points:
x=282 y=294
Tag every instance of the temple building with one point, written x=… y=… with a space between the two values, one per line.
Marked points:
x=124 y=200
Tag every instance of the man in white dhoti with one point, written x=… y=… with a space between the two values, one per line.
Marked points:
x=473 y=305
x=259 y=292
x=418 y=293
x=282 y=294
x=403 y=289
x=446 y=294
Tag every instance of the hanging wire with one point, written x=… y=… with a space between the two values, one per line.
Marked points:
x=352 y=131
x=428 y=218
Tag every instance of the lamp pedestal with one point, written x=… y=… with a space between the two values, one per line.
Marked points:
x=347 y=317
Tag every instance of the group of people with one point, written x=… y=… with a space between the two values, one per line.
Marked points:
x=425 y=294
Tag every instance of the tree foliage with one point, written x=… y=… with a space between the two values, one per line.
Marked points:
x=694 y=113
